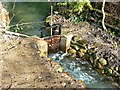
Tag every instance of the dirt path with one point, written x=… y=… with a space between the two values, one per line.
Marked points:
x=22 y=67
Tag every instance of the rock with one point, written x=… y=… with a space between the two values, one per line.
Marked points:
x=82 y=52
x=99 y=66
x=108 y=71
x=112 y=67
x=72 y=51
x=103 y=61
x=115 y=73
x=116 y=68
x=94 y=63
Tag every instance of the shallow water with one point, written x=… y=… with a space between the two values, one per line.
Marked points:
x=81 y=70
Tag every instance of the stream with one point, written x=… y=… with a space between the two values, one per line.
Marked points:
x=36 y=12
x=81 y=70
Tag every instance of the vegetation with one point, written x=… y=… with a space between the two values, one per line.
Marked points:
x=73 y=10
x=93 y=13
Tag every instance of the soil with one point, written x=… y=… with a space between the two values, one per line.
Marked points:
x=22 y=67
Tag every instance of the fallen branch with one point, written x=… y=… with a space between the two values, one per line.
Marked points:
x=26 y=24
x=14 y=33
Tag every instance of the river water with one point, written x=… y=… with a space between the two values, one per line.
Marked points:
x=36 y=12
x=27 y=12
x=81 y=70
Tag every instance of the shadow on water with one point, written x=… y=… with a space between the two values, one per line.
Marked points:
x=25 y=12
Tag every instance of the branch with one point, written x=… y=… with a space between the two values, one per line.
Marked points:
x=25 y=24
x=13 y=33
x=103 y=20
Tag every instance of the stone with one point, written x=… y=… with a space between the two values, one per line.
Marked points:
x=112 y=67
x=82 y=52
x=110 y=71
x=103 y=61
x=115 y=73
x=116 y=68
x=72 y=51
x=94 y=63
x=100 y=66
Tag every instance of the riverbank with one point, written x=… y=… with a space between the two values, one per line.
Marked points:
x=22 y=67
x=95 y=46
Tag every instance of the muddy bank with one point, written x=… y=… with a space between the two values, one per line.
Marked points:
x=22 y=67
x=96 y=46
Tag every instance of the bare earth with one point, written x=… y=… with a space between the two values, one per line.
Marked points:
x=22 y=67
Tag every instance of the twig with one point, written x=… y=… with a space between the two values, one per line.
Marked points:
x=14 y=6
x=13 y=11
x=14 y=15
x=103 y=20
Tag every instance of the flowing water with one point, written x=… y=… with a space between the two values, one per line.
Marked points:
x=36 y=12
x=81 y=70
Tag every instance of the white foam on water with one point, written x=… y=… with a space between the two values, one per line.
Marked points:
x=81 y=70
